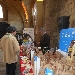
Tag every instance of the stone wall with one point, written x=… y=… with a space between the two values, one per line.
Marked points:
x=14 y=19
x=53 y=9
x=12 y=14
x=50 y=22
x=68 y=8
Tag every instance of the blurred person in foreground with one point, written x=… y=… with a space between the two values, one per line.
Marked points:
x=44 y=41
x=10 y=47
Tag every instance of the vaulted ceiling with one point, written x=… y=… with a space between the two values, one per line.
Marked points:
x=18 y=5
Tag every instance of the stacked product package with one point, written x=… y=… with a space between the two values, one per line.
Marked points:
x=55 y=63
x=26 y=67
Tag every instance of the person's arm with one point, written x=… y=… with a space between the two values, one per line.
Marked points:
x=1 y=44
x=16 y=45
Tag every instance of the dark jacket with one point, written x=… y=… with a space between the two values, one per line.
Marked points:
x=45 y=41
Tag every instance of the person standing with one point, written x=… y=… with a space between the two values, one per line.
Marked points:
x=44 y=41
x=10 y=47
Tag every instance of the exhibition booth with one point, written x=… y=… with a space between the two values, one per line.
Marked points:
x=62 y=62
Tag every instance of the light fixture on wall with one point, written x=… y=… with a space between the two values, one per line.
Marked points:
x=34 y=13
x=35 y=10
x=26 y=21
x=16 y=0
x=39 y=0
x=35 y=22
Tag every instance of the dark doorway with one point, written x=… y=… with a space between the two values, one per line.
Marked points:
x=63 y=22
x=3 y=28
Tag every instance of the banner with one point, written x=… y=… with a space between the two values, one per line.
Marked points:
x=29 y=32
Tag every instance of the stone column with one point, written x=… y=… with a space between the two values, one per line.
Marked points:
x=50 y=21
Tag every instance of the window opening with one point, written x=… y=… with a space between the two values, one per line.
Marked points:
x=1 y=12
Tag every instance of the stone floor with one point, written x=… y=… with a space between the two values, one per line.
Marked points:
x=3 y=69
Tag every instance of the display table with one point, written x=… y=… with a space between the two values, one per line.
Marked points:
x=25 y=65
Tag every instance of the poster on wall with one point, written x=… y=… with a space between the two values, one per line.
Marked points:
x=28 y=32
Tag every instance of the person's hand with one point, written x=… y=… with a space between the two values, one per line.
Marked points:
x=38 y=42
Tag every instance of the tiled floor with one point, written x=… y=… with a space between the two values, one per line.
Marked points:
x=3 y=69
